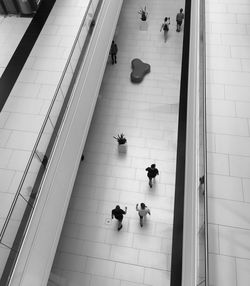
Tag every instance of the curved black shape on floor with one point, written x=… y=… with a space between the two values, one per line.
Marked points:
x=177 y=238
x=17 y=61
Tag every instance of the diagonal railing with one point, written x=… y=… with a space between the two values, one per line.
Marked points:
x=23 y=204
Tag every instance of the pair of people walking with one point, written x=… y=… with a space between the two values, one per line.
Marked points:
x=118 y=213
x=166 y=23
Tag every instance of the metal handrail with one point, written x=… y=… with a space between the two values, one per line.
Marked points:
x=43 y=126
x=201 y=282
x=203 y=13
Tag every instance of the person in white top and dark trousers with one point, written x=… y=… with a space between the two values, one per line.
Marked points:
x=142 y=212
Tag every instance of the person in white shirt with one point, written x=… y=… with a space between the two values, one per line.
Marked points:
x=142 y=212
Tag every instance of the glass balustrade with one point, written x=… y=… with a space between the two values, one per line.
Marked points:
x=202 y=254
x=14 y=226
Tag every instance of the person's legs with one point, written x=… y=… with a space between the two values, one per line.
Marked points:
x=165 y=35
x=115 y=58
x=141 y=221
x=150 y=182
x=178 y=26
x=119 y=224
x=112 y=57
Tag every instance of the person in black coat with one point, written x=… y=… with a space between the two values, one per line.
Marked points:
x=152 y=173
x=118 y=214
x=113 y=52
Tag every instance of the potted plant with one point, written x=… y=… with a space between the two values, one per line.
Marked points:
x=143 y=12
x=122 y=146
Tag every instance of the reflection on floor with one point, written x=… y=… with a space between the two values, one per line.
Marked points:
x=91 y=251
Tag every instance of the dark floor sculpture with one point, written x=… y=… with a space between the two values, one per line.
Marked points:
x=139 y=69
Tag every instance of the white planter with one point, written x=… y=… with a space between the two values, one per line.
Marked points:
x=143 y=25
x=122 y=148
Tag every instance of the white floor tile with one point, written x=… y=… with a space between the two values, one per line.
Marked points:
x=239 y=166
x=237 y=93
x=25 y=122
x=213 y=238
x=76 y=278
x=103 y=281
x=243 y=271
x=153 y=260
x=222 y=270
x=218 y=164
x=71 y=262
x=163 y=230
x=71 y=245
x=6 y=201
x=96 y=249
x=228 y=213
x=233 y=145
x=246 y=189
x=129 y=272
x=227 y=125
x=100 y=267
x=156 y=277
x=215 y=91
x=225 y=187
x=147 y=242
x=229 y=236
x=92 y=233
x=221 y=107
x=21 y=140
x=119 y=238
x=124 y=254
x=128 y=283
x=131 y=198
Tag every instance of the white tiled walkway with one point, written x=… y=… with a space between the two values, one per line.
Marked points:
x=92 y=252
x=228 y=114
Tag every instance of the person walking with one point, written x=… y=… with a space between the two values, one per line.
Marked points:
x=118 y=214
x=152 y=173
x=165 y=27
x=143 y=210
x=113 y=52
x=179 y=19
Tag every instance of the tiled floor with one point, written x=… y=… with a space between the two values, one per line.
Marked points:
x=91 y=251
x=228 y=113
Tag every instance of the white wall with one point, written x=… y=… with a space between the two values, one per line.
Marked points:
x=37 y=254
